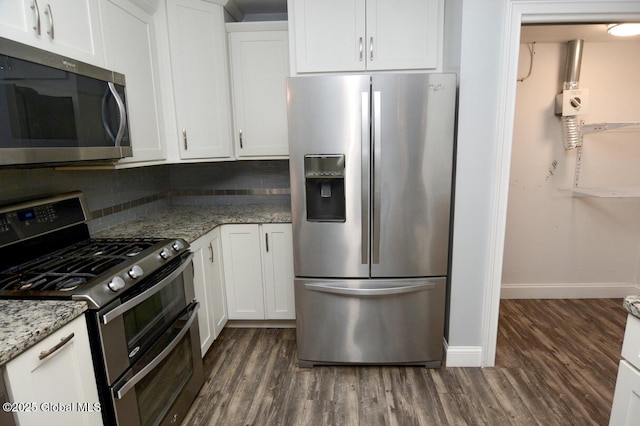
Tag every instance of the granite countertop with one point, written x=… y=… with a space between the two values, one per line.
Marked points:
x=23 y=323
x=192 y=222
x=632 y=305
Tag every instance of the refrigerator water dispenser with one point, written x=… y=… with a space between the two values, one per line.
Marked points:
x=324 y=187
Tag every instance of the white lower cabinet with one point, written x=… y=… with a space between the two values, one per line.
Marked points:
x=626 y=401
x=626 y=398
x=209 y=287
x=258 y=271
x=58 y=388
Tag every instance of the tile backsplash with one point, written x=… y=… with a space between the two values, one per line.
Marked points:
x=117 y=196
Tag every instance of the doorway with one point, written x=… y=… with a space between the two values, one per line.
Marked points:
x=517 y=14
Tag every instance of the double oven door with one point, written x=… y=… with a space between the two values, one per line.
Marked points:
x=151 y=368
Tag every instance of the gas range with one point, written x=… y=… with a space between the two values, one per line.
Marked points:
x=142 y=319
x=92 y=270
x=46 y=253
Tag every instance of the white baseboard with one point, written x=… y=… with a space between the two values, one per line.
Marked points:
x=568 y=290
x=463 y=356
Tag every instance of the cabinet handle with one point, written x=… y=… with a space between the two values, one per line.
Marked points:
x=266 y=236
x=360 y=47
x=36 y=11
x=241 y=140
x=63 y=342
x=211 y=252
x=50 y=15
x=371 y=49
x=184 y=139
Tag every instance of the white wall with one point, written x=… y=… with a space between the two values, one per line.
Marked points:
x=480 y=54
x=488 y=57
x=557 y=245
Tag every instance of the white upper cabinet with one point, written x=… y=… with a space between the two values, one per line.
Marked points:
x=68 y=28
x=200 y=79
x=259 y=68
x=359 y=35
x=130 y=49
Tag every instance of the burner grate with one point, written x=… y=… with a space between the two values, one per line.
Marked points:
x=73 y=266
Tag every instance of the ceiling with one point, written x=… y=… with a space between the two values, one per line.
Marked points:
x=563 y=33
x=251 y=7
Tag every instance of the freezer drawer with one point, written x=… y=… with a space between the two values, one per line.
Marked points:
x=370 y=321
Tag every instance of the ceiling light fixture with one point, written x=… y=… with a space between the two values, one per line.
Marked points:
x=624 y=30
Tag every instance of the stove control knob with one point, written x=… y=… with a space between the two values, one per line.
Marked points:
x=116 y=284
x=165 y=254
x=177 y=245
x=135 y=272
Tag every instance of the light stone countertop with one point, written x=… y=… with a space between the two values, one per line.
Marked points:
x=632 y=305
x=192 y=222
x=23 y=323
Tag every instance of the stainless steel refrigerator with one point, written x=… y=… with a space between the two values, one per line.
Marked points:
x=371 y=175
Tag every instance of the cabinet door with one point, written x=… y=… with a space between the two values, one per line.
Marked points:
x=130 y=50
x=19 y=20
x=200 y=79
x=209 y=287
x=259 y=68
x=73 y=29
x=243 y=271
x=625 y=409
x=329 y=35
x=402 y=34
x=219 y=299
x=203 y=294
x=277 y=267
x=65 y=378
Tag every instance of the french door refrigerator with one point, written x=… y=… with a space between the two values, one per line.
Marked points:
x=371 y=175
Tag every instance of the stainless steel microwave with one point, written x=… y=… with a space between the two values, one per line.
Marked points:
x=55 y=110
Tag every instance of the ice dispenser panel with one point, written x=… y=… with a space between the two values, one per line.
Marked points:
x=324 y=185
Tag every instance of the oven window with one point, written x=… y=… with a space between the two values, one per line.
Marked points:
x=157 y=392
x=146 y=321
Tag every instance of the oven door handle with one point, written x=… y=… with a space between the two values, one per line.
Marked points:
x=120 y=309
x=129 y=384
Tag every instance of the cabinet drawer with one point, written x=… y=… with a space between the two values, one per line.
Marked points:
x=631 y=344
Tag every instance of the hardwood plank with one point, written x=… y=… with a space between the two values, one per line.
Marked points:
x=556 y=363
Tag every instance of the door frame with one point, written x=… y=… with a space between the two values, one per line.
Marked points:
x=524 y=12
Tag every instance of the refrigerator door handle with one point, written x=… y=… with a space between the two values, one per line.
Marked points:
x=377 y=177
x=364 y=292
x=364 y=179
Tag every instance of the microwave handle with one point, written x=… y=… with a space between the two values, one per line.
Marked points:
x=120 y=309
x=122 y=114
x=129 y=384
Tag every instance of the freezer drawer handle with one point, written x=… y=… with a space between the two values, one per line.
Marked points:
x=328 y=288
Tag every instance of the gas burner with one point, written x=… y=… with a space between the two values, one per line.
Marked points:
x=70 y=284
x=134 y=251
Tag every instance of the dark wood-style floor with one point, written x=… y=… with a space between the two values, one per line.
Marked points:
x=556 y=364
